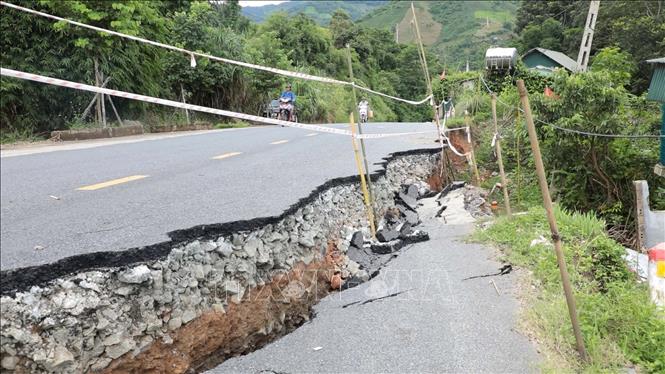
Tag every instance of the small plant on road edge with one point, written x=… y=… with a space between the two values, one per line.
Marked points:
x=620 y=324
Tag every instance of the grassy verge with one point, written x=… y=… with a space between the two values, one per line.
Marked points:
x=20 y=136
x=620 y=324
x=232 y=125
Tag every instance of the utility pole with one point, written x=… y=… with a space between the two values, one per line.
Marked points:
x=430 y=91
x=362 y=141
x=397 y=33
x=587 y=37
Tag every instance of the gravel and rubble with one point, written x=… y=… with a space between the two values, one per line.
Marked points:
x=90 y=312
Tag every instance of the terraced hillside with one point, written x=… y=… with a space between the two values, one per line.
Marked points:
x=455 y=30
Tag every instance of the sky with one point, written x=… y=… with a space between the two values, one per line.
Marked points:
x=259 y=3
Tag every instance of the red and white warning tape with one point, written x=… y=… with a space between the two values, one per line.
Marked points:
x=177 y=104
x=287 y=73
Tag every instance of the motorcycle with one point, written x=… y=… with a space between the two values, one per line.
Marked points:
x=287 y=110
x=363 y=110
x=363 y=115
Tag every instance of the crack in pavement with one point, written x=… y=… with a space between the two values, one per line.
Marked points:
x=376 y=298
x=505 y=269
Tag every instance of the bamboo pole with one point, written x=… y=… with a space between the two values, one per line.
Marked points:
x=547 y=202
x=519 y=156
x=182 y=95
x=363 y=182
x=360 y=131
x=473 y=166
x=97 y=84
x=497 y=144
x=423 y=61
x=115 y=110
x=101 y=78
x=93 y=101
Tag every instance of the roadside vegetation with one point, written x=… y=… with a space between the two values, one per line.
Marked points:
x=587 y=173
x=621 y=325
x=287 y=41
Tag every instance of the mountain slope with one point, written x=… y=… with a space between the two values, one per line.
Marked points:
x=454 y=30
x=320 y=11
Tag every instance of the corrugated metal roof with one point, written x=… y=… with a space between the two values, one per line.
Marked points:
x=657 y=61
x=558 y=57
x=657 y=86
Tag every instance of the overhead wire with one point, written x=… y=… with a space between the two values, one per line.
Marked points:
x=574 y=131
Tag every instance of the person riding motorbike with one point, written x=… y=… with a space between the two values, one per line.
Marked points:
x=287 y=101
x=363 y=110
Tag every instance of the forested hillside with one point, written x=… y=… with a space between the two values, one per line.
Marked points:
x=455 y=30
x=320 y=11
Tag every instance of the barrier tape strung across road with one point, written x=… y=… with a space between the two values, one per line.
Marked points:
x=287 y=73
x=177 y=104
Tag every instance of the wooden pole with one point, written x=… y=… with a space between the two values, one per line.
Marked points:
x=182 y=94
x=115 y=110
x=430 y=91
x=497 y=143
x=518 y=157
x=98 y=97
x=472 y=153
x=422 y=49
x=547 y=202
x=363 y=182
x=93 y=101
x=360 y=130
x=101 y=78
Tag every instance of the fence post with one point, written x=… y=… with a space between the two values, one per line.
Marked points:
x=497 y=143
x=547 y=202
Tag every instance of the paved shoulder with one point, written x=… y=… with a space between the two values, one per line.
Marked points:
x=418 y=315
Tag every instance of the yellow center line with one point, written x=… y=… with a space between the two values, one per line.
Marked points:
x=280 y=142
x=312 y=134
x=110 y=183
x=226 y=155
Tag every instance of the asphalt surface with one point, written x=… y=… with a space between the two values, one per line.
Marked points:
x=436 y=322
x=166 y=183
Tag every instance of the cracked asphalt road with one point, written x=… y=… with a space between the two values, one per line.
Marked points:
x=418 y=316
x=115 y=194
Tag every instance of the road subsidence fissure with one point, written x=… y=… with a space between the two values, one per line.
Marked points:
x=212 y=291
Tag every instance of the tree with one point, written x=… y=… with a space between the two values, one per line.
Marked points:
x=597 y=171
x=637 y=27
x=341 y=28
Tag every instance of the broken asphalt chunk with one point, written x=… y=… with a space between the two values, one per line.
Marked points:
x=357 y=240
x=385 y=235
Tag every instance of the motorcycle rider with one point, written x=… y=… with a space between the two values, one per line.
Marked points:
x=289 y=95
x=363 y=109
